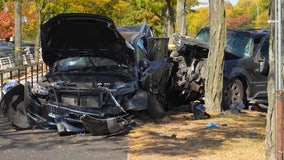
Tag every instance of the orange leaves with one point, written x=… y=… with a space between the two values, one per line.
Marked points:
x=238 y=21
x=6 y=25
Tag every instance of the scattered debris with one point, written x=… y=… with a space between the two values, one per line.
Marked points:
x=198 y=110
x=253 y=132
x=261 y=115
x=236 y=107
x=211 y=125
x=173 y=136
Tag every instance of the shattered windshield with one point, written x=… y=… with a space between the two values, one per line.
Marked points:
x=238 y=42
x=91 y=64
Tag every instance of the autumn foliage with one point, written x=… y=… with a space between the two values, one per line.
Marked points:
x=245 y=14
x=241 y=20
x=6 y=25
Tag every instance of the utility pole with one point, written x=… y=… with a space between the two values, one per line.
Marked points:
x=279 y=80
x=274 y=123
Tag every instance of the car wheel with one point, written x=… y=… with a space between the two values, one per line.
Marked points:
x=154 y=108
x=233 y=90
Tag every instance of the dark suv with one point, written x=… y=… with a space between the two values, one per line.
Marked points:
x=245 y=66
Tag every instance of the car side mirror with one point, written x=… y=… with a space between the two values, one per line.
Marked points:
x=157 y=48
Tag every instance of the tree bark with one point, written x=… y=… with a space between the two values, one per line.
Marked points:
x=18 y=34
x=181 y=13
x=37 y=42
x=168 y=21
x=214 y=79
x=39 y=6
x=42 y=16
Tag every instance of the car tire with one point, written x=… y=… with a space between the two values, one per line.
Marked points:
x=154 y=108
x=233 y=90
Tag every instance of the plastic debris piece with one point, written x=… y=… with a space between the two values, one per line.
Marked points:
x=211 y=125
x=9 y=85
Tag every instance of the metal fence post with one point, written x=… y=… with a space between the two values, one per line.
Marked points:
x=279 y=124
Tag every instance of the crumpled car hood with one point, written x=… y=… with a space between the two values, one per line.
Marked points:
x=80 y=34
x=196 y=48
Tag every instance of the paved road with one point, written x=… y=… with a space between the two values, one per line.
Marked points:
x=38 y=144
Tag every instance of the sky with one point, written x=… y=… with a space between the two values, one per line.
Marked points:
x=234 y=2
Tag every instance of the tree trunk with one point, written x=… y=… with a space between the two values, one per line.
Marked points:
x=18 y=34
x=214 y=79
x=37 y=41
x=39 y=5
x=181 y=13
x=164 y=22
x=168 y=21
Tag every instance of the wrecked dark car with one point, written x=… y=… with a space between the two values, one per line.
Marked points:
x=96 y=81
x=245 y=67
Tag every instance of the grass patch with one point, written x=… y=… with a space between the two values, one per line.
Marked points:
x=179 y=136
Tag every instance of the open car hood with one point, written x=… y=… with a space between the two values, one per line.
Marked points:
x=80 y=34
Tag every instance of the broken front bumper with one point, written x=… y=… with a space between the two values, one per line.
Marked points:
x=70 y=120
x=20 y=104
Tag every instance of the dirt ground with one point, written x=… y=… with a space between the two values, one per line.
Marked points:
x=180 y=137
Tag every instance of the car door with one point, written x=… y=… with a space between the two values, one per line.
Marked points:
x=260 y=73
x=250 y=68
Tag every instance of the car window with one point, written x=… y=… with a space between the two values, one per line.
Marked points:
x=265 y=48
x=203 y=35
x=81 y=63
x=239 y=43
x=6 y=44
x=256 y=43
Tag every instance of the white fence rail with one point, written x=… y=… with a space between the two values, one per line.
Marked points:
x=9 y=62
x=31 y=72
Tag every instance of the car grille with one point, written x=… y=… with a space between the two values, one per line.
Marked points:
x=59 y=109
x=86 y=99
x=54 y=109
x=81 y=101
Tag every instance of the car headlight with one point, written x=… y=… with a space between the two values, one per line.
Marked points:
x=40 y=90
